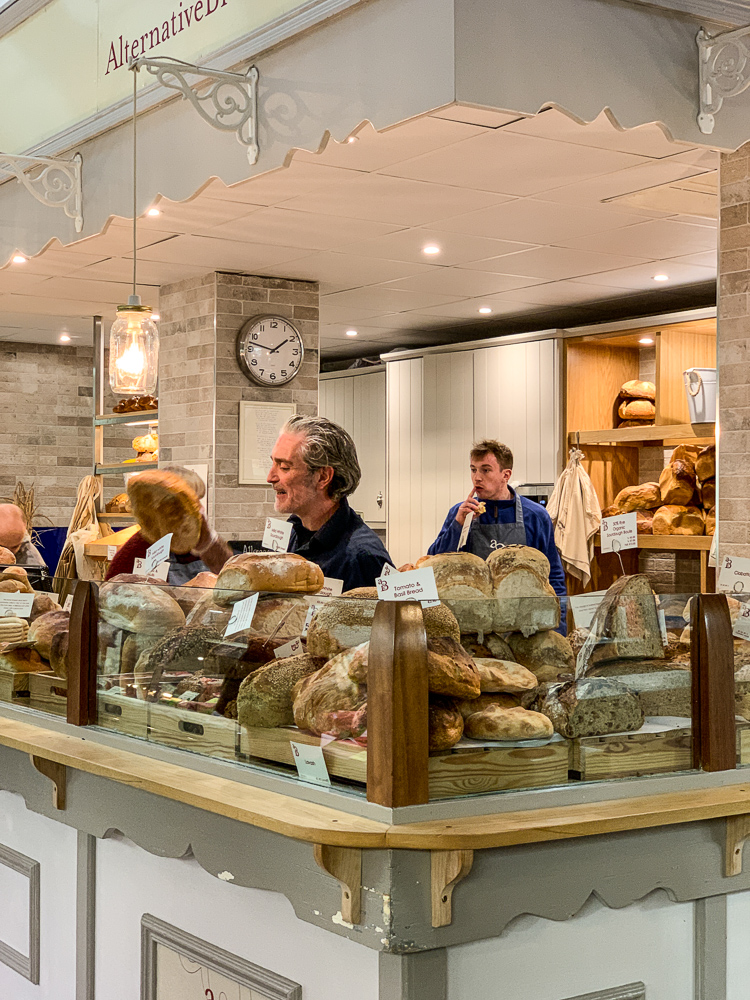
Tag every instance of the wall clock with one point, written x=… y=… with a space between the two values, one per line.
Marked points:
x=269 y=350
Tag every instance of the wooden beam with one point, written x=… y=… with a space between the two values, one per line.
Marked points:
x=712 y=667
x=397 y=706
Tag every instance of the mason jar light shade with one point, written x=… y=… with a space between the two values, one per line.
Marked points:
x=133 y=352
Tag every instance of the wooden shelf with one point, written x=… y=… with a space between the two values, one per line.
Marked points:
x=115 y=517
x=672 y=543
x=702 y=434
x=138 y=417
x=111 y=470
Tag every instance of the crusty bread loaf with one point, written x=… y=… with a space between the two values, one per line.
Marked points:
x=548 y=655
x=674 y=519
x=525 y=601
x=320 y=698
x=636 y=409
x=15 y=580
x=592 y=706
x=711 y=521
x=495 y=723
x=6 y=557
x=265 y=696
x=162 y=502
x=464 y=585
x=644 y=522
x=468 y=706
x=677 y=483
x=504 y=676
x=705 y=464
x=281 y=617
x=446 y=724
x=626 y=625
x=707 y=493
x=367 y=593
x=646 y=496
x=611 y=511
x=685 y=453
x=635 y=423
x=450 y=669
x=492 y=647
x=24 y=659
x=139 y=608
x=43 y=603
x=274 y=572
x=44 y=628
x=637 y=389
x=133 y=645
x=204 y=581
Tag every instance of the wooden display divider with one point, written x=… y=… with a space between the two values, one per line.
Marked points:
x=48 y=693
x=214 y=736
x=122 y=713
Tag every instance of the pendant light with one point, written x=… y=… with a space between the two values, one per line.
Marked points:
x=134 y=338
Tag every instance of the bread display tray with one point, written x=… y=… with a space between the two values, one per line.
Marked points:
x=212 y=735
x=14 y=686
x=464 y=770
x=48 y=693
x=123 y=714
x=653 y=749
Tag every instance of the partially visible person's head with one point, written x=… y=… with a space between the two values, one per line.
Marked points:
x=192 y=479
x=12 y=527
x=491 y=466
x=314 y=462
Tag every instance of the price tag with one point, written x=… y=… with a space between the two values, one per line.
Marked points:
x=741 y=628
x=157 y=553
x=619 y=532
x=188 y=695
x=330 y=588
x=734 y=576
x=277 y=535
x=18 y=605
x=288 y=649
x=242 y=615
x=414 y=585
x=309 y=617
x=584 y=607
x=111 y=552
x=311 y=764
x=161 y=571
x=387 y=569
x=68 y=603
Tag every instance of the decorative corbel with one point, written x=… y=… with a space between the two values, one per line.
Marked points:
x=723 y=71
x=52 y=181
x=447 y=869
x=57 y=775
x=345 y=865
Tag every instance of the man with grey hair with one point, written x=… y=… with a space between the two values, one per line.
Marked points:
x=314 y=470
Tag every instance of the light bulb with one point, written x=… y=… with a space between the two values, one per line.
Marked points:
x=153 y=212
x=661 y=277
x=351 y=333
x=19 y=258
x=485 y=310
x=133 y=351
x=64 y=338
x=430 y=250
x=646 y=340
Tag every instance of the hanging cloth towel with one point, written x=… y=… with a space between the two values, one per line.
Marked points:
x=576 y=515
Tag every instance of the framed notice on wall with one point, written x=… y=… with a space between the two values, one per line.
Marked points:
x=260 y=424
x=176 y=965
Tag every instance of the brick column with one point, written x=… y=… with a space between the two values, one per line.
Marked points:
x=733 y=473
x=201 y=385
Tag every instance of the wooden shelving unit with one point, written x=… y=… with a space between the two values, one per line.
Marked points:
x=666 y=434
x=111 y=470
x=139 y=417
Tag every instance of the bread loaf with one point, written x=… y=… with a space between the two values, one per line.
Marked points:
x=42 y=605
x=139 y=608
x=464 y=585
x=644 y=497
x=132 y=647
x=667 y=693
x=637 y=409
x=611 y=511
x=203 y=580
x=711 y=521
x=495 y=723
x=504 y=676
x=265 y=696
x=705 y=464
x=6 y=557
x=672 y=519
x=525 y=601
x=44 y=628
x=58 y=653
x=592 y=706
x=24 y=659
x=281 y=617
x=446 y=724
x=468 y=706
x=707 y=493
x=183 y=648
x=275 y=572
x=636 y=389
x=493 y=646
x=162 y=502
x=677 y=483
x=687 y=453
x=109 y=645
x=626 y=625
x=14 y=580
x=624 y=668
x=644 y=522
x=321 y=697
x=450 y=669
x=548 y=655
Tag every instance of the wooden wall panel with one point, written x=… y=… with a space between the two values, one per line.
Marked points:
x=595 y=372
x=679 y=348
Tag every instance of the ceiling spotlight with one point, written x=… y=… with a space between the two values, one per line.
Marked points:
x=351 y=139
x=64 y=338
x=485 y=310
x=351 y=333
x=430 y=249
x=646 y=340
x=661 y=277
x=153 y=212
x=19 y=258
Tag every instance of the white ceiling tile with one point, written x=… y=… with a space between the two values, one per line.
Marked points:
x=699 y=156
x=149 y=272
x=559 y=293
x=383 y=298
x=278 y=185
x=54 y=262
x=217 y=254
x=117 y=239
x=306 y=230
x=455 y=248
x=654 y=239
x=193 y=216
x=642 y=275
x=512 y=164
x=469 y=310
x=15 y=278
x=637 y=178
x=555 y=263
x=347 y=313
x=708 y=259
x=540 y=222
x=61 y=308
x=106 y=292
x=487 y=117
x=462 y=282
x=393 y=200
x=696 y=220
x=339 y=271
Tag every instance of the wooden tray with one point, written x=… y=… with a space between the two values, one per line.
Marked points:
x=206 y=734
x=48 y=693
x=625 y=755
x=14 y=686
x=123 y=714
x=461 y=771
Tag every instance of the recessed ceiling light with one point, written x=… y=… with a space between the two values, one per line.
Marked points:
x=352 y=138
x=661 y=277
x=19 y=258
x=153 y=211
x=646 y=340
x=351 y=333
x=64 y=338
x=485 y=310
x=431 y=249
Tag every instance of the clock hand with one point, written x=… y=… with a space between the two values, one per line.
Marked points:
x=264 y=346
x=279 y=346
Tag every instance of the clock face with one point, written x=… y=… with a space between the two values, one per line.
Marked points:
x=269 y=350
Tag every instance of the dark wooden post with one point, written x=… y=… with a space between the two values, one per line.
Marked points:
x=82 y=654
x=397 y=706
x=712 y=664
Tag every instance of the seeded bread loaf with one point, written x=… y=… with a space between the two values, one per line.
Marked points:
x=265 y=696
x=592 y=706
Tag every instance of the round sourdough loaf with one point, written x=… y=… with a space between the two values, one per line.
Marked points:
x=495 y=723
x=546 y=654
x=647 y=496
x=637 y=389
x=320 y=698
x=6 y=557
x=23 y=660
x=446 y=724
x=162 y=503
x=43 y=603
x=139 y=608
x=524 y=600
x=274 y=572
x=265 y=696
x=505 y=676
x=673 y=519
x=450 y=669
x=43 y=630
x=463 y=583
x=636 y=409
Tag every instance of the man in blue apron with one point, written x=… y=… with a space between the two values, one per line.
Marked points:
x=500 y=516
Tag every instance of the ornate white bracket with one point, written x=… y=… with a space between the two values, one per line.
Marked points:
x=724 y=68
x=230 y=104
x=52 y=181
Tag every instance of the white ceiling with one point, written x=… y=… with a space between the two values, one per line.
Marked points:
x=528 y=214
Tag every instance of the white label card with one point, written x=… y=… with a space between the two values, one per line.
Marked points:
x=242 y=615
x=309 y=617
x=584 y=607
x=662 y=616
x=734 y=576
x=277 y=535
x=161 y=571
x=311 y=764
x=18 y=605
x=188 y=695
x=111 y=552
x=741 y=628
x=68 y=603
x=414 y=585
x=157 y=553
x=288 y=649
x=619 y=532
x=330 y=588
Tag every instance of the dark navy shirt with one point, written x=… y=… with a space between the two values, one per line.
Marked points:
x=344 y=548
